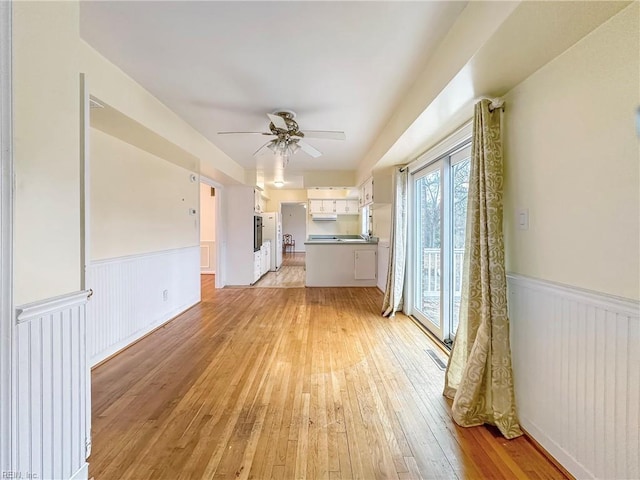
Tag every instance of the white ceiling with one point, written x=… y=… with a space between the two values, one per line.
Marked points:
x=223 y=65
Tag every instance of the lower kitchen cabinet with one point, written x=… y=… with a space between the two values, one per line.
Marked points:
x=341 y=264
x=365 y=265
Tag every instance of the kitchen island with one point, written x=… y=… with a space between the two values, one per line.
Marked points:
x=341 y=261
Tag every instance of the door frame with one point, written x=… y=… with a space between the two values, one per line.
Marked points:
x=414 y=257
x=7 y=316
x=221 y=233
x=447 y=146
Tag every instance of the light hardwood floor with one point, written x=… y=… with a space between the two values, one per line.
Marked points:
x=291 y=274
x=289 y=383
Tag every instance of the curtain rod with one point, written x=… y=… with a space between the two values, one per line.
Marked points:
x=496 y=103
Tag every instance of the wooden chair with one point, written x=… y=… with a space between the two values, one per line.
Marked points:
x=288 y=242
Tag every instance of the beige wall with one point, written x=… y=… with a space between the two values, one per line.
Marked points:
x=382 y=222
x=207 y=214
x=277 y=197
x=571 y=158
x=139 y=202
x=46 y=149
x=111 y=85
x=344 y=225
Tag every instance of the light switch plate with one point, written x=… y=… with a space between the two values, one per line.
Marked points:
x=522 y=218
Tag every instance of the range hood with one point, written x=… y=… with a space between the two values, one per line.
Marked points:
x=324 y=217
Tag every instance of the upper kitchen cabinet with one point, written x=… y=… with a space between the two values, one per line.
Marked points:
x=347 y=207
x=366 y=192
x=260 y=201
x=322 y=206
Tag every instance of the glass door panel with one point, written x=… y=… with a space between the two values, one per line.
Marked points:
x=428 y=254
x=459 y=190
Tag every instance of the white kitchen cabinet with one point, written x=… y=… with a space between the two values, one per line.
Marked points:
x=322 y=206
x=366 y=192
x=335 y=264
x=257 y=266
x=265 y=257
x=259 y=201
x=365 y=264
x=347 y=207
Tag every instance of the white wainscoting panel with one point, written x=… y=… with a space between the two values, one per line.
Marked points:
x=135 y=294
x=53 y=389
x=208 y=257
x=576 y=361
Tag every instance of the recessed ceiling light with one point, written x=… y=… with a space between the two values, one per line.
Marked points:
x=278 y=183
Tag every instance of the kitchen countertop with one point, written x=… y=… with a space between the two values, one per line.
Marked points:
x=339 y=240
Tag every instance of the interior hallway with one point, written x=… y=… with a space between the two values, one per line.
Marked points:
x=296 y=383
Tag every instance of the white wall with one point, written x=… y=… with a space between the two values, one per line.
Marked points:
x=46 y=138
x=294 y=219
x=571 y=158
x=139 y=202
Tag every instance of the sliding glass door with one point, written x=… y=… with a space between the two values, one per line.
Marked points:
x=439 y=193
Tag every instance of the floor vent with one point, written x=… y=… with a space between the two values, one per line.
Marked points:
x=436 y=359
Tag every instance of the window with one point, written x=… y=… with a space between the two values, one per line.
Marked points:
x=365 y=220
x=439 y=197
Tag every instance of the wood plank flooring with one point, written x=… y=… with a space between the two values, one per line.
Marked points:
x=289 y=383
x=290 y=275
x=296 y=259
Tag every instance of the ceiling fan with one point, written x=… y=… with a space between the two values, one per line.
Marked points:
x=288 y=137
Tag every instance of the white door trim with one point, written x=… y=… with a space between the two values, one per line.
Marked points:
x=7 y=324
x=85 y=231
x=221 y=231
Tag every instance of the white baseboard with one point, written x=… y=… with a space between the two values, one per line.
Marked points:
x=82 y=473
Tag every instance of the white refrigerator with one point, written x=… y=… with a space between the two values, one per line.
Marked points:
x=272 y=230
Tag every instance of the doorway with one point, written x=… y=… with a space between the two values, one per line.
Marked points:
x=212 y=234
x=207 y=230
x=294 y=223
x=439 y=192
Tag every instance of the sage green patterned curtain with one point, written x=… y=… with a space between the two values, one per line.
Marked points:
x=392 y=302
x=479 y=377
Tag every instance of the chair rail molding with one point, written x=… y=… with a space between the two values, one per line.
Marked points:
x=577 y=381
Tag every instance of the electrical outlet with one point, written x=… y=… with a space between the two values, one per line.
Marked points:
x=165 y=295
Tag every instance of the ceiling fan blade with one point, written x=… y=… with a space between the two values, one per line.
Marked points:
x=309 y=149
x=262 y=149
x=278 y=121
x=330 y=135
x=250 y=133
